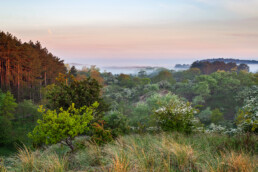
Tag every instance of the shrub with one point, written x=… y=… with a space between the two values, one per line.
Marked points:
x=100 y=134
x=140 y=115
x=117 y=123
x=205 y=116
x=247 y=121
x=2 y=167
x=5 y=130
x=247 y=118
x=26 y=109
x=176 y=116
x=216 y=116
x=64 y=126
x=7 y=104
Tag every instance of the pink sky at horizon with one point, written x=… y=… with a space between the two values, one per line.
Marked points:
x=133 y=30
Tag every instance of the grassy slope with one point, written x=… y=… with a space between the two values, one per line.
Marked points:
x=156 y=152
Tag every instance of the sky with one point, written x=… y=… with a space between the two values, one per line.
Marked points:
x=136 y=32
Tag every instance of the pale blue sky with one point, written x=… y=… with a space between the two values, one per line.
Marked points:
x=123 y=30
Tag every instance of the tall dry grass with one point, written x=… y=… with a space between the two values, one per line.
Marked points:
x=143 y=153
x=236 y=162
x=149 y=154
x=40 y=161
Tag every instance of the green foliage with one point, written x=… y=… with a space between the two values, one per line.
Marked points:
x=205 y=116
x=140 y=115
x=198 y=100
x=5 y=132
x=164 y=75
x=125 y=80
x=7 y=108
x=202 y=89
x=26 y=109
x=100 y=135
x=63 y=126
x=216 y=116
x=151 y=87
x=117 y=123
x=247 y=118
x=7 y=105
x=26 y=116
x=176 y=116
x=68 y=90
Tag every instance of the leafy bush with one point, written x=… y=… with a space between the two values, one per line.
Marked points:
x=5 y=131
x=117 y=123
x=140 y=115
x=64 y=126
x=247 y=118
x=68 y=90
x=176 y=116
x=100 y=134
x=26 y=116
x=198 y=100
x=205 y=116
x=26 y=109
x=7 y=104
x=216 y=116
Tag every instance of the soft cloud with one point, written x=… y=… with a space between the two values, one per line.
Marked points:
x=49 y=31
x=244 y=8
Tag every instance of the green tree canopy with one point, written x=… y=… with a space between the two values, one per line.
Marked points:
x=64 y=126
x=68 y=90
x=7 y=105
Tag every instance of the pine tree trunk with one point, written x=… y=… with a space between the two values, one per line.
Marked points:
x=18 y=81
x=45 y=78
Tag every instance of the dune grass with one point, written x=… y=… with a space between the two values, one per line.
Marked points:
x=149 y=152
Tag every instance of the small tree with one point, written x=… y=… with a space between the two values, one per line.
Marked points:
x=68 y=90
x=73 y=71
x=64 y=126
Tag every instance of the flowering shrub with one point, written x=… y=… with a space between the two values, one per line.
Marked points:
x=247 y=118
x=176 y=116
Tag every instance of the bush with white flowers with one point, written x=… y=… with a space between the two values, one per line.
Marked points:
x=247 y=118
x=176 y=116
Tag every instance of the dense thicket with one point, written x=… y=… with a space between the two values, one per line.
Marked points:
x=207 y=67
x=26 y=67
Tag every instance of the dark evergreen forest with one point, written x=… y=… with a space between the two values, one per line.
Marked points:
x=26 y=67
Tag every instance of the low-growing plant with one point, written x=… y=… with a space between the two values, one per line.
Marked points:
x=2 y=167
x=39 y=161
x=100 y=135
x=235 y=162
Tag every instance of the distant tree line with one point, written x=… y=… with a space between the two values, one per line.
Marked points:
x=26 y=67
x=207 y=67
x=228 y=60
